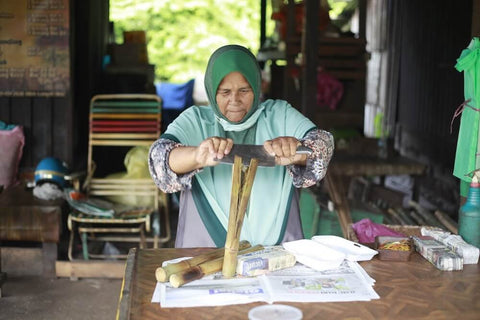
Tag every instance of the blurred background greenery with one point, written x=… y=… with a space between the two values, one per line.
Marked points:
x=182 y=34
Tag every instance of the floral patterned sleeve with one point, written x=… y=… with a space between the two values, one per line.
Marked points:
x=321 y=142
x=167 y=180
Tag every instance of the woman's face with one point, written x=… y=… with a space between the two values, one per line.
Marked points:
x=234 y=96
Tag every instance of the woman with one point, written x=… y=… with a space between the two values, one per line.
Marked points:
x=185 y=157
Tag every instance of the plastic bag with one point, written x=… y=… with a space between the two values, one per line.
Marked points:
x=12 y=141
x=136 y=163
x=366 y=231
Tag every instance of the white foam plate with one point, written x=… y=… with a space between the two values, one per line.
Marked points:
x=314 y=255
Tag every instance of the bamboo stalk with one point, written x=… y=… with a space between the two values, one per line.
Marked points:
x=199 y=271
x=162 y=274
x=235 y=194
x=429 y=218
x=448 y=222
x=405 y=217
x=235 y=221
x=395 y=217
x=400 y=216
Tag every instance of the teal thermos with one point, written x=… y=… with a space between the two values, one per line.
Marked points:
x=469 y=216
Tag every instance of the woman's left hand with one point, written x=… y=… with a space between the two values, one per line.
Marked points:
x=285 y=150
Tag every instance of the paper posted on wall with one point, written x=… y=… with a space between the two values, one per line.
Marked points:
x=348 y=282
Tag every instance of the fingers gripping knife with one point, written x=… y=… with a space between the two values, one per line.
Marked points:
x=248 y=152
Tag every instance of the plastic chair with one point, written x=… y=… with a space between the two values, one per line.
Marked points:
x=115 y=122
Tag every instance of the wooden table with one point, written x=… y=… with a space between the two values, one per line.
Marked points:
x=349 y=165
x=413 y=289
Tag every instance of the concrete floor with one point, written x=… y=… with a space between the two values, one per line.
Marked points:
x=40 y=298
x=26 y=294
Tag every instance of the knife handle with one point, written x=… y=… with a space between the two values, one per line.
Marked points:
x=304 y=150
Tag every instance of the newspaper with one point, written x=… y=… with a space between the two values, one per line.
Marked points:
x=349 y=282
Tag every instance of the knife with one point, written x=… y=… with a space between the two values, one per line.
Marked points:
x=249 y=151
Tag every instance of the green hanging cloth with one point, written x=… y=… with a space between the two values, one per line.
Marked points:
x=466 y=160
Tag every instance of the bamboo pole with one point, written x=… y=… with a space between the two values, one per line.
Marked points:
x=448 y=222
x=199 y=271
x=162 y=274
x=235 y=220
x=429 y=218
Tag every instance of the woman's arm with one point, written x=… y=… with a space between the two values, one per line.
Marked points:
x=172 y=165
x=322 y=144
x=164 y=177
x=184 y=159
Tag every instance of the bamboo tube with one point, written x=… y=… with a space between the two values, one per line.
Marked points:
x=448 y=222
x=417 y=218
x=235 y=194
x=395 y=217
x=199 y=271
x=235 y=221
x=405 y=217
x=163 y=273
x=429 y=218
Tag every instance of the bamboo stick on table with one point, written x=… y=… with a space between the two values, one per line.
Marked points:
x=162 y=274
x=199 y=271
x=427 y=216
x=237 y=213
x=448 y=222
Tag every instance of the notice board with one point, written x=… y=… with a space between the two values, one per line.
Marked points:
x=34 y=48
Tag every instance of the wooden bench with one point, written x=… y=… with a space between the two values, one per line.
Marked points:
x=28 y=219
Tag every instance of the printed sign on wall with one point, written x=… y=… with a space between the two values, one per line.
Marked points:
x=34 y=48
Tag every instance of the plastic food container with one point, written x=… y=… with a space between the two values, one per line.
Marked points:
x=353 y=251
x=275 y=312
x=394 y=248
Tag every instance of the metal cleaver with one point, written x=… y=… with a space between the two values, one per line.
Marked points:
x=249 y=151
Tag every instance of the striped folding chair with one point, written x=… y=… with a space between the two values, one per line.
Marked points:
x=119 y=120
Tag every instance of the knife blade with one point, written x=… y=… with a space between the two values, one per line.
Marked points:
x=249 y=151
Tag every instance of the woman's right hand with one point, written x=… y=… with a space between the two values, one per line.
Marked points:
x=184 y=159
x=211 y=150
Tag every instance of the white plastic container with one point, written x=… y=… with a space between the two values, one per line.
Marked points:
x=353 y=251
x=275 y=312
x=314 y=254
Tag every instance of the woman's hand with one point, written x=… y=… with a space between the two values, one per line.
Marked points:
x=186 y=158
x=285 y=151
x=211 y=150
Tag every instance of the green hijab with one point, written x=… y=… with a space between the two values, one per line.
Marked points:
x=228 y=59
x=269 y=205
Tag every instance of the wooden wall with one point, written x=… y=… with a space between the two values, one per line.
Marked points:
x=47 y=125
x=58 y=126
x=427 y=38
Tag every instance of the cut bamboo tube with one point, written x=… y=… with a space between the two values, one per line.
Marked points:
x=163 y=273
x=235 y=194
x=235 y=220
x=199 y=271
x=448 y=222
x=397 y=217
x=426 y=215
x=405 y=217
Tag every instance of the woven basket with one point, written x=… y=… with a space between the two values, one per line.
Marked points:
x=406 y=230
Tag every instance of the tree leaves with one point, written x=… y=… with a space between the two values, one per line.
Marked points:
x=182 y=34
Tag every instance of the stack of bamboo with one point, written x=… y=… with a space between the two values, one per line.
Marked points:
x=224 y=259
x=242 y=183
x=197 y=267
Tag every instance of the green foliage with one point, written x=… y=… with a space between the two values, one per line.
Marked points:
x=182 y=34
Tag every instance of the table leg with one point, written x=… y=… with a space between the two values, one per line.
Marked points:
x=336 y=190
x=49 y=258
x=3 y=275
